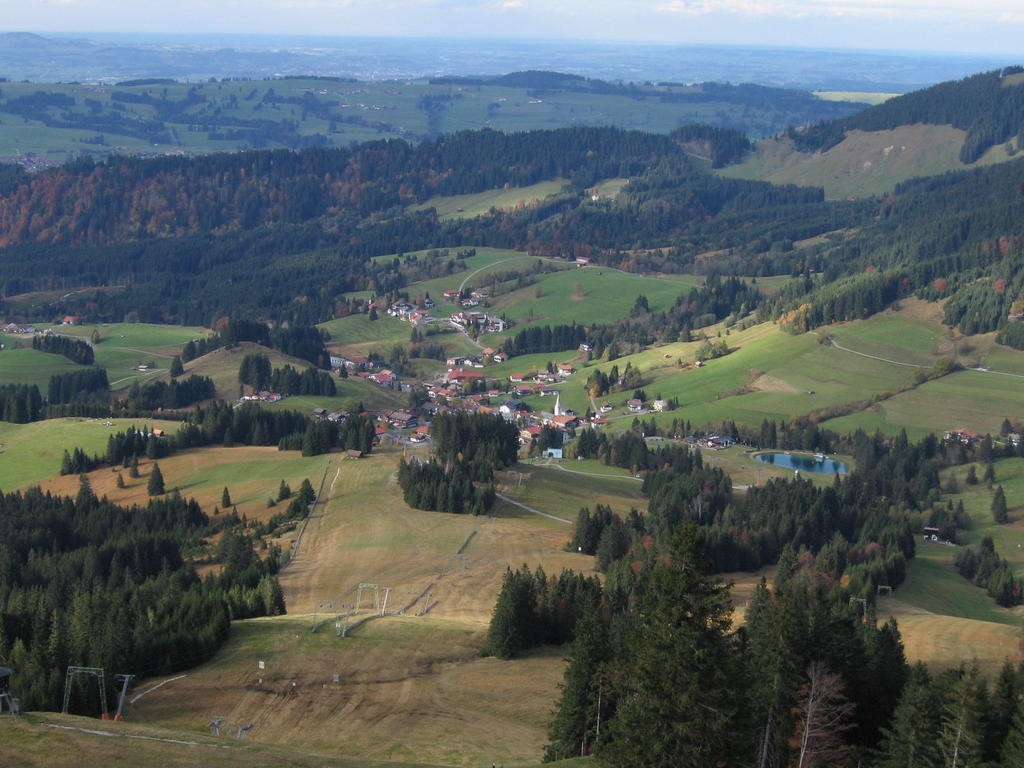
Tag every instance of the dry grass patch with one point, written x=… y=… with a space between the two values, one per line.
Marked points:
x=252 y=474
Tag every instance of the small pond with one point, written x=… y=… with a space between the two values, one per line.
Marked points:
x=804 y=463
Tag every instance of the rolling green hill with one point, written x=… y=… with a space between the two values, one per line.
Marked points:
x=950 y=126
x=48 y=123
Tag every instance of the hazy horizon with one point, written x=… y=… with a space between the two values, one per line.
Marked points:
x=981 y=27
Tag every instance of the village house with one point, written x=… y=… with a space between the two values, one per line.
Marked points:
x=635 y=405
x=403 y=420
x=606 y=407
x=565 y=369
x=660 y=405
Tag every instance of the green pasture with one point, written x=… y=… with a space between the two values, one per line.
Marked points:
x=31 y=453
x=357 y=332
x=934 y=585
x=961 y=400
x=894 y=337
x=857 y=97
x=585 y=295
x=865 y=163
x=122 y=346
x=30 y=366
x=977 y=499
x=479 y=203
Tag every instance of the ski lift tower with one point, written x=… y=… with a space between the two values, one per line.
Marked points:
x=96 y=672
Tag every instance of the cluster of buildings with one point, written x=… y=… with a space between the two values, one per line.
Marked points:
x=18 y=328
x=417 y=313
x=481 y=321
x=264 y=396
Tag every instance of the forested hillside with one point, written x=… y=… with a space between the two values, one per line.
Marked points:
x=988 y=106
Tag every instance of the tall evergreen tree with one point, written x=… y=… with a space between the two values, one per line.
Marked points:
x=177 y=369
x=909 y=740
x=1000 y=512
x=573 y=729
x=679 y=696
x=155 y=486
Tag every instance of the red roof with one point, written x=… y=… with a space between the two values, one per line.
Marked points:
x=461 y=374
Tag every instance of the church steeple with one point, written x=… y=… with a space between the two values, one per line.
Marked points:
x=558 y=405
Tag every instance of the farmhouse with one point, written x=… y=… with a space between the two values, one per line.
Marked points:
x=635 y=405
x=963 y=436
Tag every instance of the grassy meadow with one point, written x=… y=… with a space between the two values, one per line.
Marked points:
x=31 y=453
x=479 y=203
x=401 y=678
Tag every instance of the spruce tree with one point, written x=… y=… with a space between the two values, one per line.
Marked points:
x=133 y=467
x=1013 y=746
x=283 y=491
x=225 y=498
x=120 y=481
x=909 y=740
x=1000 y=513
x=679 y=696
x=176 y=367
x=155 y=486
x=959 y=740
x=573 y=728
x=990 y=473
x=972 y=476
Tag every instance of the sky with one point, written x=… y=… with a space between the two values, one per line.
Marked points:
x=974 y=26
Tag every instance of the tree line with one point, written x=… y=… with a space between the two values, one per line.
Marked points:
x=88 y=582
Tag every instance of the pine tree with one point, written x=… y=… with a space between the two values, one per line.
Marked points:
x=960 y=739
x=133 y=468
x=679 y=695
x=225 y=498
x=573 y=728
x=120 y=481
x=155 y=486
x=283 y=491
x=1013 y=746
x=909 y=741
x=972 y=476
x=1000 y=513
x=177 y=369
x=990 y=474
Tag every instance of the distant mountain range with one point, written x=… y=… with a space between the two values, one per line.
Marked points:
x=26 y=56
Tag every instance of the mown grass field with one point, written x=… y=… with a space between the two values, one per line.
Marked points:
x=32 y=453
x=49 y=740
x=479 y=203
x=122 y=346
x=857 y=97
x=587 y=295
x=30 y=366
x=977 y=499
x=967 y=399
x=863 y=164
x=407 y=684
x=252 y=475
